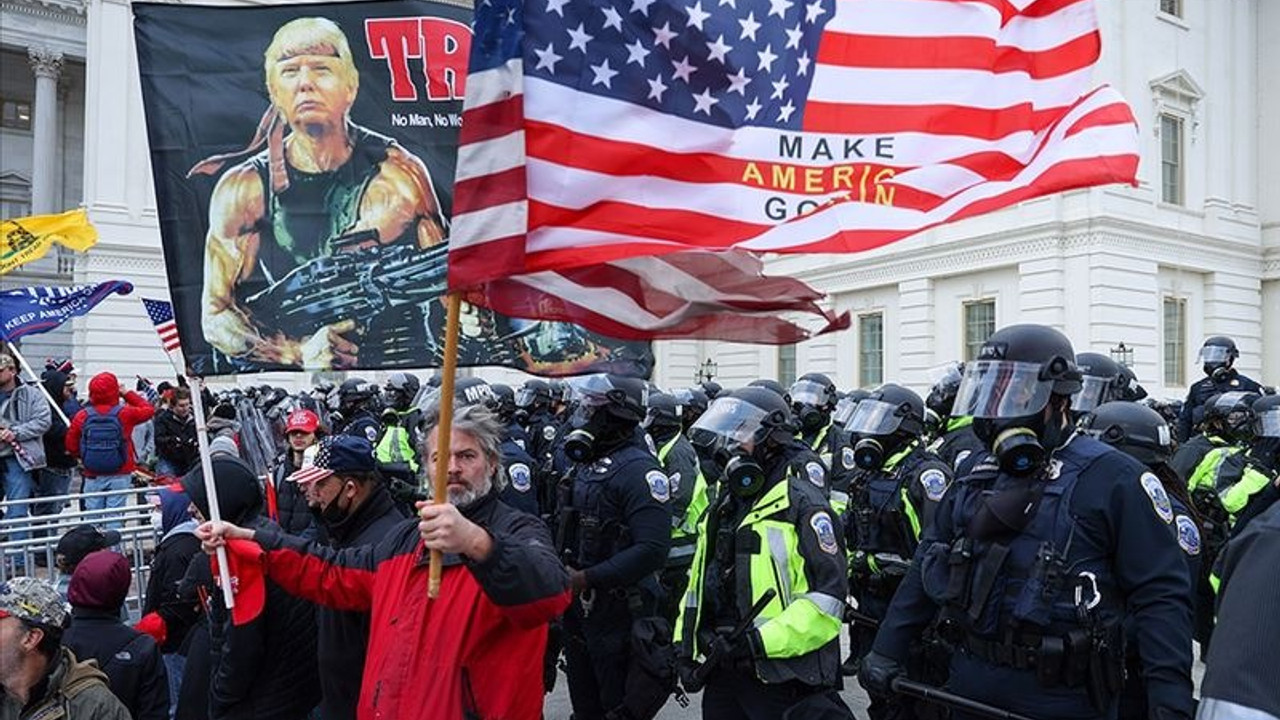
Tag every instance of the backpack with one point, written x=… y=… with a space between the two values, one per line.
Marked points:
x=102 y=446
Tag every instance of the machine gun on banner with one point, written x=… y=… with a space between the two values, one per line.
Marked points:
x=359 y=281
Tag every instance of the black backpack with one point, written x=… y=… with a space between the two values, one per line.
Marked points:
x=102 y=445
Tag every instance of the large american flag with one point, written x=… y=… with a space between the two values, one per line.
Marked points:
x=161 y=314
x=601 y=137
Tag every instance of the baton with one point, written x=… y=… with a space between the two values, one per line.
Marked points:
x=700 y=673
x=857 y=618
x=938 y=696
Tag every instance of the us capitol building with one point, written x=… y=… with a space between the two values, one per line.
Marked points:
x=1141 y=273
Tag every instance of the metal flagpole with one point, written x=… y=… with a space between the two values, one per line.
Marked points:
x=210 y=487
x=444 y=429
x=57 y=406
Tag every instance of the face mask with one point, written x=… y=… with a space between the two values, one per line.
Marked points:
x=1219 y=373
x=812 y=419
x=868 y=454
x=580 y=445
x=157 y=521
x=744 y=476
x=333 y=515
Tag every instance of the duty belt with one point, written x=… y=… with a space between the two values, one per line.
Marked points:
x=1021 y=655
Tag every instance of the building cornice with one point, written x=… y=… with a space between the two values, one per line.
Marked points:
x=72 y=12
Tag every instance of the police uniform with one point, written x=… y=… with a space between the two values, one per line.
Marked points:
x=688 y=504
x=889 y=508
x=842 y=470
x=958 y=446
x=521 y=491
x=1036 y=614
x=822 y=442
x=398 y=446
x=1205 y=388
x=363 y=424
x=786 y=539
x=615 y=526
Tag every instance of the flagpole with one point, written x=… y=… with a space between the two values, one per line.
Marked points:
x=210 y=487
x=444 y=429
x=57 y=406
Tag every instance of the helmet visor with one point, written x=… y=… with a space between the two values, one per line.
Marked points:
x=946 y=374
x=1267 y=423
x=844 y=410
x=1214 y=354
x=873 y=417
x=1093 y=390
x=731 y=419
x=526 y=397
x=1001 y=389
x=808 y=392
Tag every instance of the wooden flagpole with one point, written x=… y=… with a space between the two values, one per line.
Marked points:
x=210 y=486
x=444 y=430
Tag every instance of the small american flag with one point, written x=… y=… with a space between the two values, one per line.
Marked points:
x=161 y=313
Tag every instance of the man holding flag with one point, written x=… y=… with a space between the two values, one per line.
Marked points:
x=24 y=418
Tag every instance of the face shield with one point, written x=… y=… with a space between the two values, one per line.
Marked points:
x=808 y=392
x=1093 y=392
x=729 y=423
x=946 y=374
x=589 y=393
x=1214 y=355
x=844 y=411
x=1267 y=423
x=994 y=389
x=873 y=417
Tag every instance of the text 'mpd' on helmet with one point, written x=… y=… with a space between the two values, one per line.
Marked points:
x=742 y=420
x=1018 y=370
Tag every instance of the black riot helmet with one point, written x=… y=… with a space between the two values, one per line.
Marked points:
x=1100 y=381
x=1019 y=371
x=712 y=388
x=474 y=391
x=1133 y=428
x=846 y=406
x=738 y=435
x=813 y=397
x=504 y=401
x=355 y=394
x=1230 y=415
x=532 y=398
x=1266 y=416
x=942 y=394
x=664 y=414
x=1217 y=355
x=606 y=411
x=1129 y=389
x=693 y=402
x=400 y=390
x=884 y=421
x=772 y=385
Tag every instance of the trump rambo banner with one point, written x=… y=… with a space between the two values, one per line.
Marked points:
x=304 y=162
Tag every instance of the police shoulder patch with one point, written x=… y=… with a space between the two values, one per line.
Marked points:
x=659 y=485
x=371 y=432
x=935 y=483
x=521 y=477
x=825 y=530
x=1159 y=498
x=816 y=473
x=1188 y=535
x=847 y=458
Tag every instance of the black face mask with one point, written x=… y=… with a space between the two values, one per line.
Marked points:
x=521 y=416
x=332 y=515
x=1218 y=373
x=811 y=419
x=593 y=438
x=868 y=453
x=744 y=476
x=1021 y=445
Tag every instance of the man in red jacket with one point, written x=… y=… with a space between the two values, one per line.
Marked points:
x=475 y=651
x=101 y=436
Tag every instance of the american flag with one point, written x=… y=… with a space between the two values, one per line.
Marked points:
x=315 y=464
x=600 y=135
x=161 y=313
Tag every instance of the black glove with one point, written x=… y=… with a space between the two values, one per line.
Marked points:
x=878 y=672
x=685 y=668
x=740 y=652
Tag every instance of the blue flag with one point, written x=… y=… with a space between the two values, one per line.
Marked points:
x=32 y=310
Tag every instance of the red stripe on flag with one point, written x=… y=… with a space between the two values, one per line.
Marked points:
x=492 y=121
x=695 y=229
x=958 y=53
x=987 y=124
x=486 y=191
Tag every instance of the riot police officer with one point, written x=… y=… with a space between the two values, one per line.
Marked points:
x=614 y=533
x=813 y=399
x=1217 y=359
x=504 y=405
x=1100 y=382
x=534 y=411
x=956 y=444
x=892 y=497
x=1230 y=418
x=1257 y=488
x=517 y=466
x=359 y=407
x=693 y=402
x=771 y=530
x=396 y=451
x=688 y=493
x=1038 y=556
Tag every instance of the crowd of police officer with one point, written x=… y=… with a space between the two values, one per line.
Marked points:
x=1035 y=538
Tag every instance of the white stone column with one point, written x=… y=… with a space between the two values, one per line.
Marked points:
x=46 y=64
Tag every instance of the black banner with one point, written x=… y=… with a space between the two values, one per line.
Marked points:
x=304 y=159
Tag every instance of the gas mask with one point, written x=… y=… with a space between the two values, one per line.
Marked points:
x=1220 y=373
x=743 y=475
x=869 y=453
x=591 y=437
x=811 y=418
x=1022 y=445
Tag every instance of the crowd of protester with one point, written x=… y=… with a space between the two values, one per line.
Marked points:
x=646 y=543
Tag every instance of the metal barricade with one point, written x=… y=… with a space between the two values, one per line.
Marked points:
x=34 y=554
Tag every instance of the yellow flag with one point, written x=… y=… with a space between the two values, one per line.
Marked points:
x=25 y=239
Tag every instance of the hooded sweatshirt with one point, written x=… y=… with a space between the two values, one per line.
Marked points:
x=55 y=438
x=174 y=553
x=104 y=394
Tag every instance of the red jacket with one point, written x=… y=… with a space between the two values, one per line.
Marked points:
x=104 y=394
x=477 y=648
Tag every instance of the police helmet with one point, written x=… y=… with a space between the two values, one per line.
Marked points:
x=354 y=392
x=1129 y=388
x=1018 y=370
x=1100 y=381
x=888 y=410
x=664 y=411
x=504 y=400
x=620 y=398
x=693 y=402
x=814 y=390
x=942 y=394
x=753 y=419
x=1231 y=413
x=534 y=395
x=1218 y=351
x=773 y=386
x=400 y=389
x=847 y=404
x=1266 y=416
x=474 y=391
x=1135 y=429
x=712 y=388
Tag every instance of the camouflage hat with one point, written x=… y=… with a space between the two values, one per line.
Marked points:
x=33 y=600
